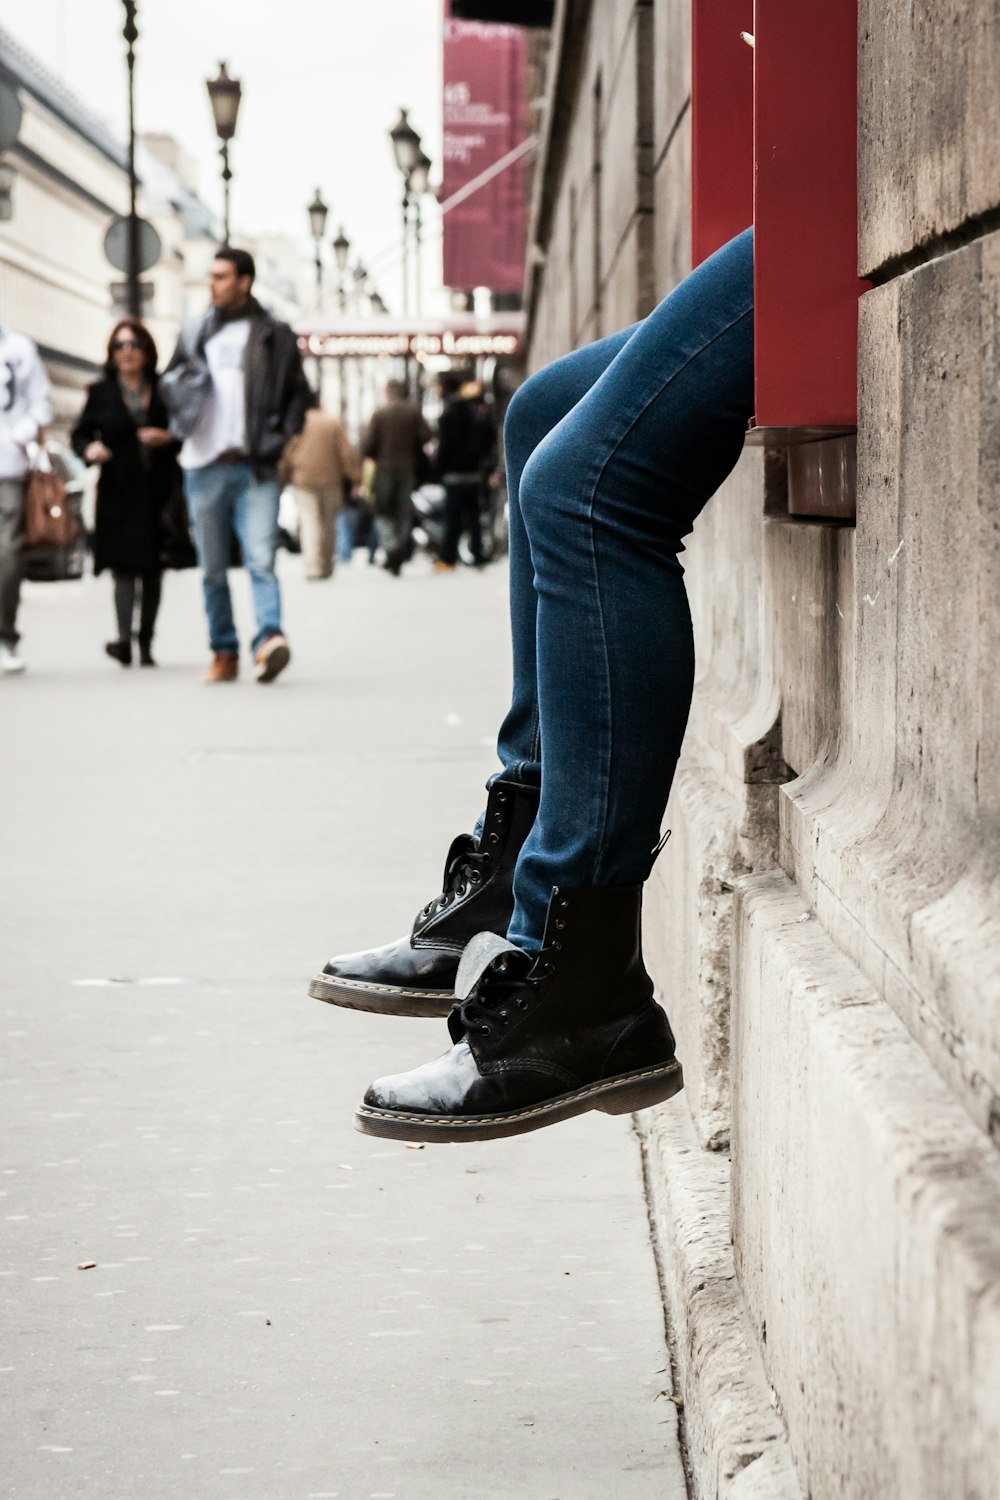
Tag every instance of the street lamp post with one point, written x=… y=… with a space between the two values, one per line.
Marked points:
x=341 y=255
x=406 y=146
x=417 y=184
x=225 y=94
x=318 y=211
x=133 y=293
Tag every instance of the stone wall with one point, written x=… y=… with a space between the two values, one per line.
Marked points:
x=825 y=923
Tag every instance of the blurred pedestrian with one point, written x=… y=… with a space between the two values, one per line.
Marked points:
x=395 y=441
x=124 y=428
x=320 y=463
x=236 y=393
x=25 y=410
x=465 y=442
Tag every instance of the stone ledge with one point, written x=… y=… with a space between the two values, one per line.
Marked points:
x=737 y=1446
x=866 y=1212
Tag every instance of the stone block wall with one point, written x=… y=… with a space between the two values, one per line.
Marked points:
x=825 y=923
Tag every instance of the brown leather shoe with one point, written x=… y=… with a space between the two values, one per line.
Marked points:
x=225 y=667
x=272 y=657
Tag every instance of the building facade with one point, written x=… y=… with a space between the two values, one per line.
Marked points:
x=824 y=926
x=70 y=183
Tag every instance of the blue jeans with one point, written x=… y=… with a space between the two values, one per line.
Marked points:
x=345 y=534
x=611 y=453
x=222 y=498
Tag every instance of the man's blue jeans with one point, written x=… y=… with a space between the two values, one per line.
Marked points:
x=611 y=453
x=222 y=498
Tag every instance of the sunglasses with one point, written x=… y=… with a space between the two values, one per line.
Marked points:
x=125 y=344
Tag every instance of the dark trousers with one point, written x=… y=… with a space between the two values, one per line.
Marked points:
x=151 y=586
x=461 y=514
x=11 y=527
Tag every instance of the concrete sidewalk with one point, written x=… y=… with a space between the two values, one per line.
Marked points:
x=281 y=1309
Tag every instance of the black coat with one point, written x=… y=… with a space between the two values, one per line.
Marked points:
x=277 y=392
x=135 y=484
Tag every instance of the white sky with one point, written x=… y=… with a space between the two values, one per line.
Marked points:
x=323 y=82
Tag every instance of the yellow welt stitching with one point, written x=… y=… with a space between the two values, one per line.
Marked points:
x=522 y=1114
x=382 y=989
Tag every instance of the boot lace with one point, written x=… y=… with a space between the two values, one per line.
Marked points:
x=467 y=866
x=503 y=992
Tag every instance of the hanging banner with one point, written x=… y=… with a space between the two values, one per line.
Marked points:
x=485 y=118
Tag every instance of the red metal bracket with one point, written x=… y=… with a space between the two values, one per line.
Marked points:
x=806 y=285
x=721 y=124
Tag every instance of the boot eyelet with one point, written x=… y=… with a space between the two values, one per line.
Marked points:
x=563 y=901
x=494 y=838
x=501 y=796
x=522 y=1004
x=503 y=1015
x=486 y=1030
x=475 y=878
x=558 y=949
x=560 y=923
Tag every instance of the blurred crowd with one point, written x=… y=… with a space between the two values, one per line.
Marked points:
x=219 y=458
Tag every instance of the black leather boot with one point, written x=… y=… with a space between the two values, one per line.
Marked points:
x=541 y=1037
x=120 y=651
x=416 y=975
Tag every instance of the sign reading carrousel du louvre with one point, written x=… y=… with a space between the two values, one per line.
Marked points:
x=485 y=118
x=501 y=335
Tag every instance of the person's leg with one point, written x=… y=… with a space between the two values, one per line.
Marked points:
x=403 y=508
x=11 y=523
x=472 y=522
x=307 y=503
x=124 y=606
x=210 y=498
x=606 y=499
x=383 y=514
x=534 y=410
x=474 y=506
x=329 y=505
x=416 y=974
x=452 y=525
x=152 y=588
x=345 y=534
x=257 y=528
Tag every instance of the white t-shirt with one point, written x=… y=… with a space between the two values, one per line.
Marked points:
x=221 y=427
x=24 y=401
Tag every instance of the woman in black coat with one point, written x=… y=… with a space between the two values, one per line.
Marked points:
x=124 y=428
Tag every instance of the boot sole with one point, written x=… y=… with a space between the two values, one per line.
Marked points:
x=380 y=999
x=622 y=1095
x=276 y=661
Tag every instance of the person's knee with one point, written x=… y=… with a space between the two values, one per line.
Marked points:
x=533 y=410
x=543 y=488
x=258 y=556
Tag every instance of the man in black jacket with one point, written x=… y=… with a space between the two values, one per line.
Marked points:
x=465 y=441
x=236 y=393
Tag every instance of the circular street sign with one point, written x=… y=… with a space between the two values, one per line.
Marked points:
x=116 y=245
x=10 y=116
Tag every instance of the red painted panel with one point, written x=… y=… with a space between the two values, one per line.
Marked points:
x=721 y=123
x=806 y=285
x=485 y=117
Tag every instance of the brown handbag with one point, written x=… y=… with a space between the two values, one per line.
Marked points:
x=49 y=520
